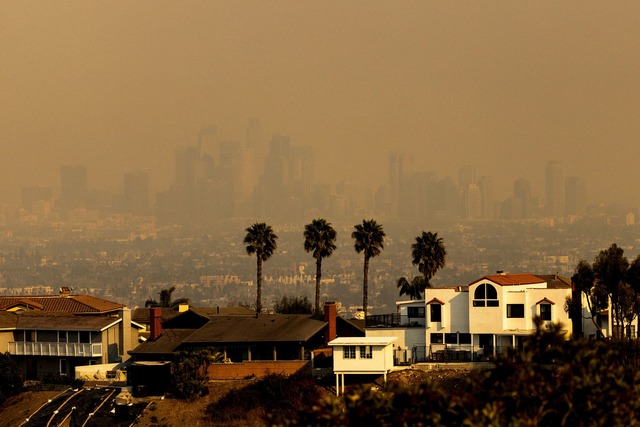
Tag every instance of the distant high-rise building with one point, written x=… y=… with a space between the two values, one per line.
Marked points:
x=486 y=192
x=397 y=175
x=30 y=195
x=522 y=198
x=554 y=189
x=472 y=201
x=73 y=186
x=136 y=192
x=466 y=176
x=575 y=191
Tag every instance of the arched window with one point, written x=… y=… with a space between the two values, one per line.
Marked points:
x=485 y=295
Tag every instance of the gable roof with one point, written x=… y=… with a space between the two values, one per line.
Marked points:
x=167 y=343
x=64 y=321
x=79 y=304
x=511 y=279
x=556 y=282
x=262 y=328
x=8 y=320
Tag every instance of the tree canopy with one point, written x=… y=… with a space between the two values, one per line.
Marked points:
x=261 y=241
x=320 y=239
x=369 y=239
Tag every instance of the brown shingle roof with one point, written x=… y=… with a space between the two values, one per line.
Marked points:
x=556 y=282
x=225 y=311
x=167 y=343
x=8 y=320
x=63 y=321
x=263 y=328
x=71 y=304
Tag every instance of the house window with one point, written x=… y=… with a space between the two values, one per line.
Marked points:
x=415 y=312
x=464 y=338
x=485 y=295
x=85 y=337
x=436 y=312
x=545 y=311
x=515 y=311
x=451 y=338
x=349 y=351
x=62 y=336
x=63 y=366
x=436 y=339
x=365 y=352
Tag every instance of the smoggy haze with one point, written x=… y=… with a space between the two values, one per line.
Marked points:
x=504 y=86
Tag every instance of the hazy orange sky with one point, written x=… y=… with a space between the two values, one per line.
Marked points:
x=502 y=85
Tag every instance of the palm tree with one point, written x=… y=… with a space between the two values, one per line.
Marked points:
x=412 y=289
x=260 y=240
x=429 y=255
x=319 y=238
x=369 y=237
x=165 y=300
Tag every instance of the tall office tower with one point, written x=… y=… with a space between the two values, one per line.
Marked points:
x=522 y=199
x=254 y=133
x=466 y=176
x=397 y=174
x=136 y=192
x=208 y=142
x=488 y=203
x=554 y=189
x=472 y=201
x=73 y=186
x=575 y=190
x=30 y=195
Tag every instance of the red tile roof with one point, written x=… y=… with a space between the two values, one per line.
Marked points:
x=511 y=279
x=78 y=304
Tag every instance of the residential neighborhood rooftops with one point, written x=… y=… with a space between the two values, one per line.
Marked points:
x=69 y=322
x=79 y=304
x=262 y=328
x=167 y=343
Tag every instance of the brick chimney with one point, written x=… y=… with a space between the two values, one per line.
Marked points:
x=155 y=320
x=330 y=318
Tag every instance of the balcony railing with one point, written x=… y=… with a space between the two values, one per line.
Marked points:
x=393 y=320
x=23 y=348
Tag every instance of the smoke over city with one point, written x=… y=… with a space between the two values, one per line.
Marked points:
x=290 y=110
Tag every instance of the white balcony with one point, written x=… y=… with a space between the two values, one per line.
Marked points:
x=22 y=348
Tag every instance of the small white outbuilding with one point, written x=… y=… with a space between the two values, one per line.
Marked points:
x=361 y=355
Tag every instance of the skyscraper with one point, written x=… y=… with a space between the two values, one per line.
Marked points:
x=73 y=186
x=575 y=196
x=136 y=192
x=554 y=189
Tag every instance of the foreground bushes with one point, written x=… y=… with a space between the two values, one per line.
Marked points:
x=552 y=382
x=10 y=377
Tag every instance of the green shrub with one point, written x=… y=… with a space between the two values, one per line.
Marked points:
x=551 y=382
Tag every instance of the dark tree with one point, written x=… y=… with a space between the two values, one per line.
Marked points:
x=261 y=241
x=320 y=239
x=595 y=295
x=610 y=268
x=429 y=255
x=411 y=289
x=165 y=300
x=369 y=238
x=293 y=305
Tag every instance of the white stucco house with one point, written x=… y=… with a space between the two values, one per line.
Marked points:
x=472 y=322
x=361 y=355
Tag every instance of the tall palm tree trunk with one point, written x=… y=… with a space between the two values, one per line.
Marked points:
x=259 y=285
x=365 y=286
x=318 y=277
